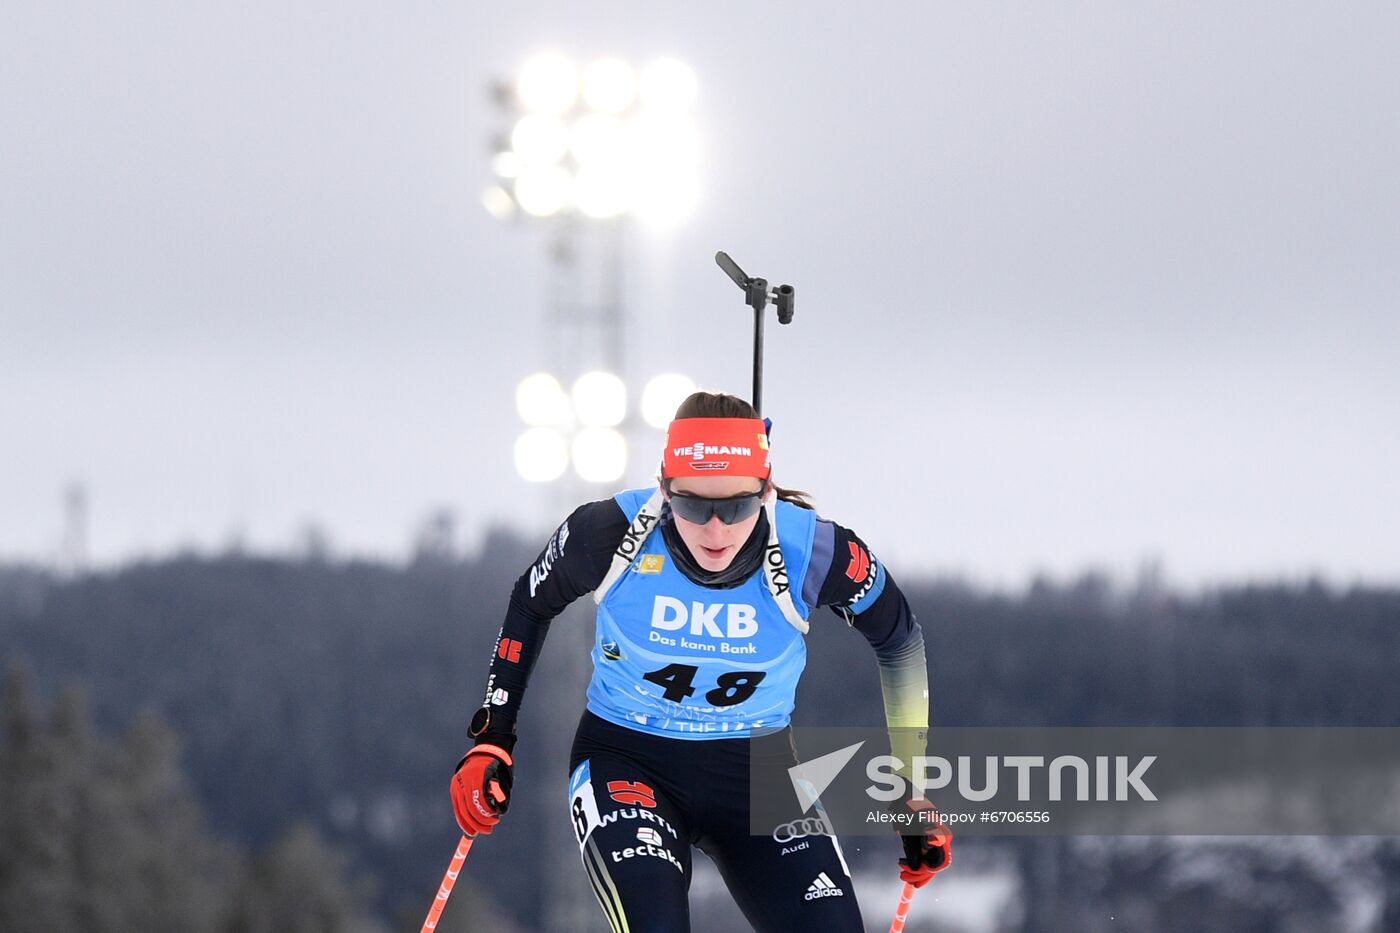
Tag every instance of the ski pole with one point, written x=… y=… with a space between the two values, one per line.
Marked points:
x=448 y=880
x=902 y=911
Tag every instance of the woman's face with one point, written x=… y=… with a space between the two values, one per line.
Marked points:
x=714 y=544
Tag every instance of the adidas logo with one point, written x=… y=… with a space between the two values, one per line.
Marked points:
x=823 y=887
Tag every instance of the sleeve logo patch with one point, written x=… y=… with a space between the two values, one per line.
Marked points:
x=509 y=650
x=859 y=567
x=552 y=552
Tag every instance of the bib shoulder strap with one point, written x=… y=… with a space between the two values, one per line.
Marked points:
x=643 y=524
x=775 y=571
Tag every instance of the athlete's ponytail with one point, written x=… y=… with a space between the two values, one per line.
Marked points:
x=724 y=405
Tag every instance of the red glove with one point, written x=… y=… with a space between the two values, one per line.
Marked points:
x=481 y=788
x=927 y=847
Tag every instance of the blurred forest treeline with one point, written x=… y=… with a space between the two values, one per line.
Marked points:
x=333 y=696
x=106 y=836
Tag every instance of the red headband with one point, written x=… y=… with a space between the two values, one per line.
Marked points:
x=716 y=446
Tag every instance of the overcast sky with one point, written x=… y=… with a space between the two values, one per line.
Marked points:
x=1079 y=283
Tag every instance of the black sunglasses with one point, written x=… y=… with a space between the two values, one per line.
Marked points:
x=731 y=509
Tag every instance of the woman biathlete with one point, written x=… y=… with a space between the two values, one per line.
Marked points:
x=704 y=588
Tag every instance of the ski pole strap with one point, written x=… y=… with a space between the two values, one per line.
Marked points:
x=454 y=869
x=901 y=912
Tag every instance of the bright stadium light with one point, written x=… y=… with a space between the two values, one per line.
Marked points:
x=607 y=144
x=548 y=84
x=662 y=396
x=542 y=401
x=538 y=139
x=666 y=184
x=602 y=192
x=541 y=455
x=599 y=139
x=498 y=202
x=543 y=190
x=665 y=142
x=600 y=455
x=668 y=85
x=507 y=164
x=609 y=86
x=664 y=198
x=600 y=399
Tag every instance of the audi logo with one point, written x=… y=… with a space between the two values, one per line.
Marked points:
x=811 y=826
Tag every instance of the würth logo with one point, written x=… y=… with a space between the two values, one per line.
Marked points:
x=632 y=793
x=859 y=568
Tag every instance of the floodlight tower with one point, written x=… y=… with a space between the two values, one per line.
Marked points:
x=588 y=154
